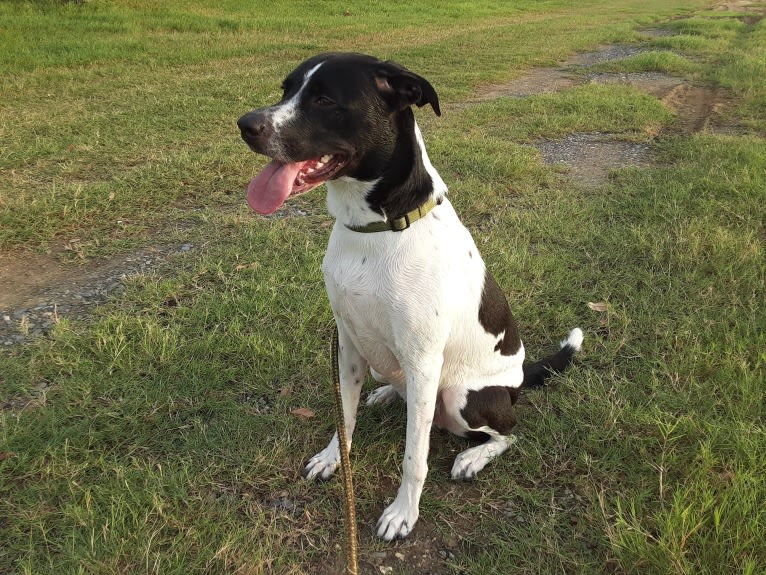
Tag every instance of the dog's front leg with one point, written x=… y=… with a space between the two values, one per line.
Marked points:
x=422 y=388
x=352 y=370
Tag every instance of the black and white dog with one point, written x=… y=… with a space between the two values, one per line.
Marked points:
x=410 y=293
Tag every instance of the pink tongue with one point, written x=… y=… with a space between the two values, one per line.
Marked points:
x=272 y=186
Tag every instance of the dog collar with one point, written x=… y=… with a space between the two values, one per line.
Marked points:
x=398 y=224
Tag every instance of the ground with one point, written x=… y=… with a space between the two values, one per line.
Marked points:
x=37 y=290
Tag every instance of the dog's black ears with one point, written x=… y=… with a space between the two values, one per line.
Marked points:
x=401 y=88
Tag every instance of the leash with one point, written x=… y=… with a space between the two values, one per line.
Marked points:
x=352 y=566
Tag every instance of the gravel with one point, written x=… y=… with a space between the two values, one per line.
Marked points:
x=589 y=157
x=608 y=54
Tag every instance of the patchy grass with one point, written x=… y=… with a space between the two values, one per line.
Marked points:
x=114 y=112
x=587 y=108
x=166 y=442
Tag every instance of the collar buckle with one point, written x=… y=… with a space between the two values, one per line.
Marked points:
x=401 y=223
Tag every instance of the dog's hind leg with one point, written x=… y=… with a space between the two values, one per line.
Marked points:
x=383 y=395
x=352 y=370
x=484 y=413
x=469 y=462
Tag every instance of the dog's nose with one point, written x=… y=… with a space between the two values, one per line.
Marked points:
x=252 y=125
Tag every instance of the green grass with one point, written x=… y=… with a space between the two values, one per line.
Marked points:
x=165 y=441
x=591 y=107
x=112 y=110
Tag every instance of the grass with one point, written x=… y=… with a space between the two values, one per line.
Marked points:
x=165 y=441
x=130 y=113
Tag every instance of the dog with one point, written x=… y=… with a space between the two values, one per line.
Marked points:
x=412 y=298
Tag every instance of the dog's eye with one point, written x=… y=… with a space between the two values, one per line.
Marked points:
x=323 y=101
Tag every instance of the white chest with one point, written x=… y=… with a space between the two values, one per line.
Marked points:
x=396 y=291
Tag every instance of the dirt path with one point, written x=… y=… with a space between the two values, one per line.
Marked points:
x=588 y=158
x=36 y=290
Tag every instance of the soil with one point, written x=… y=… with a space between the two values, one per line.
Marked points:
x=589 y=158
x=753 y=14
x=37 y=290
x=425 y=550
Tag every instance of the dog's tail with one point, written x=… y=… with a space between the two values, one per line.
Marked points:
x=536 y=373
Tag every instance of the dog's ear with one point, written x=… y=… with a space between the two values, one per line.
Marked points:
x=401 y=88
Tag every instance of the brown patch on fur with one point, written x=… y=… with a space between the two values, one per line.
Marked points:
x=496 y=318
x=491 y=407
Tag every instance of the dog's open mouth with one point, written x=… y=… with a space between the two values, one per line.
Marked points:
x=278 y=181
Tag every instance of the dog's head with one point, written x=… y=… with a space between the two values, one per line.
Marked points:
x=340 y=115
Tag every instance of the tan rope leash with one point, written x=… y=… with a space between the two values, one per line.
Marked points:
x=352 y=566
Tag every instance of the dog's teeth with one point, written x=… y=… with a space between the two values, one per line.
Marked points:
x=325 y=159
x=319 y=164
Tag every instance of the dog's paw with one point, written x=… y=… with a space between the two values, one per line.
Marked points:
x=397 y=521
x=467 y=465
x=383 y=395
x=324 y=464
x=469 y=462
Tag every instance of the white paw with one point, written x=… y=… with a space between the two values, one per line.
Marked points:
x=471 y=461
x=383 y=395
x=324 y=464
x=397 y=520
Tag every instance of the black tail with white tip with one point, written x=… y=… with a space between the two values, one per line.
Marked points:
x=536 y=373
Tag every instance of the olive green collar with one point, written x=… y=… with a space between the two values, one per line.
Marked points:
x=398 y=224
